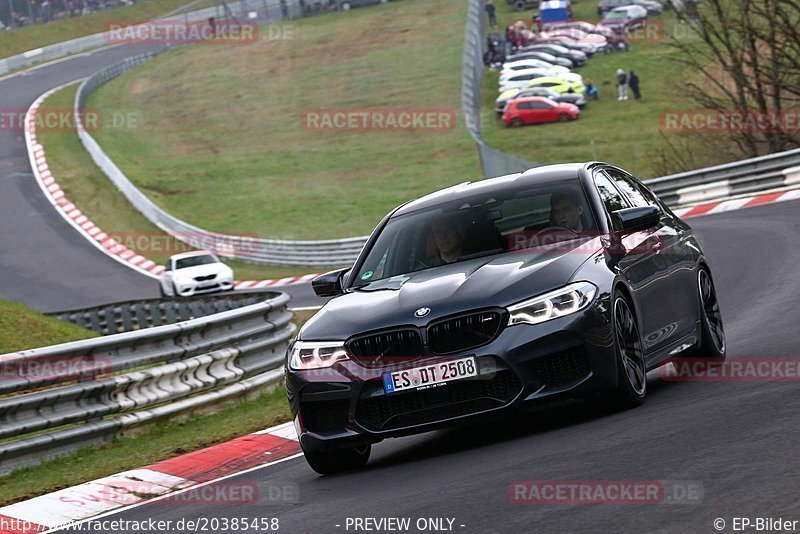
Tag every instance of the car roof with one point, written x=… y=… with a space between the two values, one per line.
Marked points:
x=543 y=174
x=192 y=254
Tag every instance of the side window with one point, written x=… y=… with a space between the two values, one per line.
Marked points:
x=612 y=199
x=638 y=196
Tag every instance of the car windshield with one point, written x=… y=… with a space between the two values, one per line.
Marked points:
x=194 y=261
x=617 y=15
x=486 y=225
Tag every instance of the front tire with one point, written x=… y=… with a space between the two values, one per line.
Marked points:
x=338 y=460
x=631 y=372
x=712 y=333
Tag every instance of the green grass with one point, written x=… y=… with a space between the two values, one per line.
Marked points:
x=220 y=142
x=21 y=40
x=22 y=328
x=624 y=133
x=157 y=442
x=94 y=194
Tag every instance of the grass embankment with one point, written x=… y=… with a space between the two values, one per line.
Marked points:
x=221 y=142
x=91 y=190
x=625 y=133
x=22 y=328
x=21 y=40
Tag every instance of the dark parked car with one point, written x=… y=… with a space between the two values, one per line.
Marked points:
x=346 y=5
x=577 y=57
x=625 y=19
x=570 y=280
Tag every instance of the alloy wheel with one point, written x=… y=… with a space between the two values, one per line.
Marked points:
x=711 y=313
x=630 y=346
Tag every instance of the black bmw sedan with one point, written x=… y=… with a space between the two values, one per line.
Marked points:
x=569 y=280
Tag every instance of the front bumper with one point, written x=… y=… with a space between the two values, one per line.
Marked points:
x=189 y=289
x=346 y=404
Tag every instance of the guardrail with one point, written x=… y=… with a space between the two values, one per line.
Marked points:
x=145 y=313
x=57 y=399
x=265 y=10
x=722 y=181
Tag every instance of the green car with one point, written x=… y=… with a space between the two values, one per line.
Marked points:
x=559 y=85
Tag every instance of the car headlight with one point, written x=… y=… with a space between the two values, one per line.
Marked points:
x=183 y=280
x=558 y=303
x=316 y=354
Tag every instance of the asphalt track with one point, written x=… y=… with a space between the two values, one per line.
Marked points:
x=738 y=439
x=44 y=262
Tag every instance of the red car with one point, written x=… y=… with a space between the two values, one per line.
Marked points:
x=538 y=109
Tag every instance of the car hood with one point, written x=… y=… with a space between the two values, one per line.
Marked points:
x=499 y=280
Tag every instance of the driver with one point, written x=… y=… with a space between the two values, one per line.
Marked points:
x=449 y=238
x=566 y=210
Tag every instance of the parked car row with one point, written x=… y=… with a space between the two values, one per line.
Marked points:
x=536 y=81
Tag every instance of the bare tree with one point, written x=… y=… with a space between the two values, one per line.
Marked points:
x=743 y=56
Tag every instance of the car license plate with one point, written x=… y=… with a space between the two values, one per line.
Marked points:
x=429 y=375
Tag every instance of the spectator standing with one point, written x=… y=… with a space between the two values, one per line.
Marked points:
x=622 y=84
x=491 y=12
x=633 y=81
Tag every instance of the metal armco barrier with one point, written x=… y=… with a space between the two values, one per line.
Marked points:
x=137 y=314
x=722 y=181
x=60 y=398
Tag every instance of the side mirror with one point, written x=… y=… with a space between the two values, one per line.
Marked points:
x=641 y=218
x=329 y=284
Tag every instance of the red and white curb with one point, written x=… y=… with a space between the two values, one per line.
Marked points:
x=100 y=239
x=737 y=203
x=164 y=480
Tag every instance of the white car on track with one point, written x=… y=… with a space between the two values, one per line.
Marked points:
x=194 y=273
